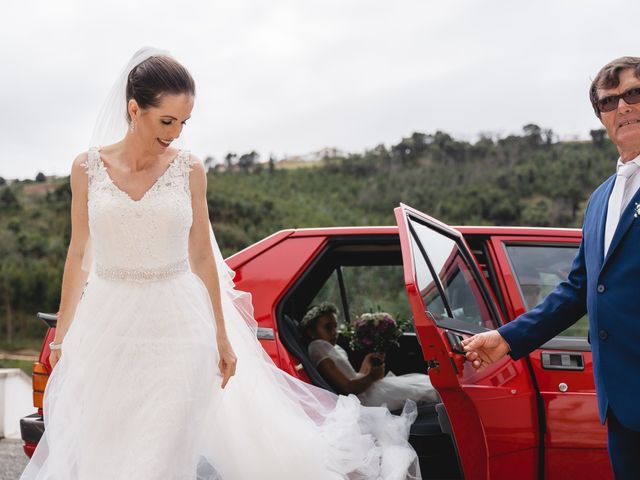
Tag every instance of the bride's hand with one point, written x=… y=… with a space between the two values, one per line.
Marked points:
x=54 y=356
x=228 y=359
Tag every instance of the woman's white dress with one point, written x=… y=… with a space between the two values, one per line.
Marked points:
x=391 y=390
x=137 y=395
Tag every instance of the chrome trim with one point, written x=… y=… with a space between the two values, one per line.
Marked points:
x=264 y=333
x=50 y=319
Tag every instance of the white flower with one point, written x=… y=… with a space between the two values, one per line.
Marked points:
x=637 y=212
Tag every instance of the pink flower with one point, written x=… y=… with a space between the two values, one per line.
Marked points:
x=367 y=342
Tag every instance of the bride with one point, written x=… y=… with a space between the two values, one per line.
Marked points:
x=157 y=371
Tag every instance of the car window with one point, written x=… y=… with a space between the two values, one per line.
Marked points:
x=538 y=269
x=330 y=292
x=368 y=288
x=429 y=290
x=464 y=299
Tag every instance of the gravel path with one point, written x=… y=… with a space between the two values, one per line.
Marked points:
x=12 y=459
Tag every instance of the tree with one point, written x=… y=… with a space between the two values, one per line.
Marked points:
x=229 y=160
x=598 y=137
x=533 y=133
x=8 y=198
x=548 y=136
x=420 y=142
x=209 y=161
x=448 y=150
x=247 y=161
x=40 y=177
x=536 y=214
x=402 y=152
x=10 y=262
x=484 y=146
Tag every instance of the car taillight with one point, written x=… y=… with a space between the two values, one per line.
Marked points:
x=39 y=379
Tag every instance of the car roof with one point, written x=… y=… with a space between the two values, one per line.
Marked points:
x=257 y=248
x=464 y=229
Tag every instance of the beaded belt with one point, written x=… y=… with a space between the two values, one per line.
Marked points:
x=143 y=274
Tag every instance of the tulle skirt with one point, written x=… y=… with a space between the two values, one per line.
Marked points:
x=393 y=391
x=137 y=395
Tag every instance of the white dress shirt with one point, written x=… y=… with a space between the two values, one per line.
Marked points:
x=631 y=187
x=632 y=184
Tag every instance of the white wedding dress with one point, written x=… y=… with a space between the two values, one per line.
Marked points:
x=392 y=390
x=137 y=395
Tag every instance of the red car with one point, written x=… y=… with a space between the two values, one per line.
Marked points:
x=527 y=419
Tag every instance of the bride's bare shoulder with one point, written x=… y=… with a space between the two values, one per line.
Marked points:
x=197 y=175
x=80 y=162
x=79 y=172
x=195 y=162
x=196 y=168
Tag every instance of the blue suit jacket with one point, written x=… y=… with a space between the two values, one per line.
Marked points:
x=609 y=291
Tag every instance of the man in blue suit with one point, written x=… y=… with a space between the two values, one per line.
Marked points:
x=604 y=280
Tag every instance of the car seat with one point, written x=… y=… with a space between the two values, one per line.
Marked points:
x=291 y=338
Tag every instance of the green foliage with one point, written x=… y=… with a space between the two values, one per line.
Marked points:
x=8 y=199
x=523 y=179
x=25 y=365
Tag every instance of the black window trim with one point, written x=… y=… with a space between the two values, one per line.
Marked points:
x=434 y=275
x=482 y=242
x=343 y=294
x=463 y=249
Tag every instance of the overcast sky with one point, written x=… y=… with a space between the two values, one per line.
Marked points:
x=292 y=77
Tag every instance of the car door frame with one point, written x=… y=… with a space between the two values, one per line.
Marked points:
x=490 y=443
x=572 y=430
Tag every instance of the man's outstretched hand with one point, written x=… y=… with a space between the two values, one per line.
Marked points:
x=485 y=348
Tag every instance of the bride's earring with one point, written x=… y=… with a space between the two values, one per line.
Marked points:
x=132 y=125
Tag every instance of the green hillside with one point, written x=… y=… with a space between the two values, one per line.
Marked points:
x=527 y=179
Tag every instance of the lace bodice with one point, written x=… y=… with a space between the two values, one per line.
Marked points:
x=151 y=233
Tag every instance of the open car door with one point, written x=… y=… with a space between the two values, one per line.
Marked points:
x=492 y=414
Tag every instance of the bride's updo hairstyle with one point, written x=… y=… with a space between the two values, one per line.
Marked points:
x=154 y=77
x=314 y=313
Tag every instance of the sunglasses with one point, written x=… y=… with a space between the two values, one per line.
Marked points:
x=609 y=104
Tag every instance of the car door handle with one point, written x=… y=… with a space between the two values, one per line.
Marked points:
x=455 y=340
x=562 y=360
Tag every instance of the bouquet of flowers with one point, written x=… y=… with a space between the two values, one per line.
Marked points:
x=375 y=332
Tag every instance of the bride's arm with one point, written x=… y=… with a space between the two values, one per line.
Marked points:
x=73 y=277
x=201 y=256
x=203 y=262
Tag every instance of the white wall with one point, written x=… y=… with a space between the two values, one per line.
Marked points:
x=16 y=400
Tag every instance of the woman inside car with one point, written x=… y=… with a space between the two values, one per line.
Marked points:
x=369 y=383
